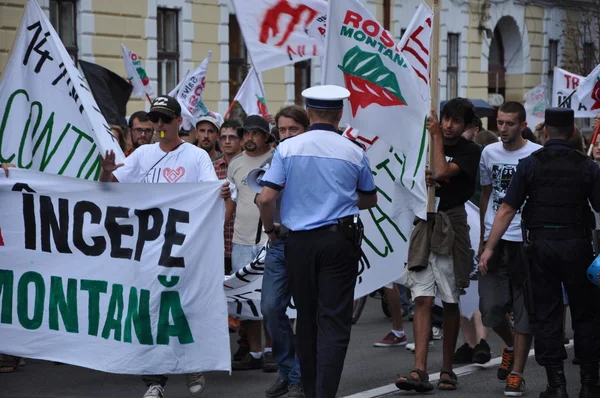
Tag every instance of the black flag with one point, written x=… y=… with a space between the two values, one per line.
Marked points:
x=110 y=91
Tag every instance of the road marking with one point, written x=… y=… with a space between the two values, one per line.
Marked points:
x=462 y=371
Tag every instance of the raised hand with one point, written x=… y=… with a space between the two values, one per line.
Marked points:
x=108 y=162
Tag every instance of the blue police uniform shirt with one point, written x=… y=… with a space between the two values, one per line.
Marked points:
x=516 y=193
x=322 y=173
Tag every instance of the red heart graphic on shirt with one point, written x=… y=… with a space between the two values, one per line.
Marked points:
x=173 y=175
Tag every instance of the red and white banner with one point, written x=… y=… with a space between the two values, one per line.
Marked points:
x=415 y=46
x=136 y=74
x=564 y=84
x=590 y=89
x=251 y=95
x=276 y=32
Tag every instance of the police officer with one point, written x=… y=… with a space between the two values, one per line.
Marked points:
x=327 y=180
x=558 y=184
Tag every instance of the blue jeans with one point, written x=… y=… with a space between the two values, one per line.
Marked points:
x=275 y=298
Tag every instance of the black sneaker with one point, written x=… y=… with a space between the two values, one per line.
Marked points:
x=248 y=363
x=515 y=386
x=295 y=391
x=270 y=365
x=482 y=353
x=240 y=353
x=278 y=389
x=464 y=354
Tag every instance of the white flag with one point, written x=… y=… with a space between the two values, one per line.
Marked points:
x=276 y=32
x=50 y=120
x=251 y=95
x=173 y=93
x=415 y=44
x=190 y=93
x=535 y=105
x=136 y=74
x=384 y=96
x=589 y=88
x=564 y=84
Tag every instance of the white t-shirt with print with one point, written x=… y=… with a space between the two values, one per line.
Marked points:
x=150 y=164
x=496 y=168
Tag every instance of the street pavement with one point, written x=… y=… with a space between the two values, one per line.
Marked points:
x=368 y=372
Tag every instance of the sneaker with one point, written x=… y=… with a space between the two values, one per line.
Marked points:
x=195 y=383
x=508 y=360
x=154 y=391
x=391 y=340
x=278 y=389
x=411 y=346
x=464 y=354
x=437 y=333
x=482 y=353
x=270 y=365
x=296 y=391
x=240 y=353
x=515 y=386
x=248 y=363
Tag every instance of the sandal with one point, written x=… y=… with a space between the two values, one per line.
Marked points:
x=9 y=363
x=447 y=384
x=411 y=383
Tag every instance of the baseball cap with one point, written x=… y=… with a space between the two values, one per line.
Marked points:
x=210 y=119
x=165 y=105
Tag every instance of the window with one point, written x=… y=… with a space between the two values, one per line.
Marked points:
x=387 y=11
x=301 y=80
x=552 y=62
x=167 y=49
x=238 y=58
x=452 y=66
x=63 y=14
x=588 y=58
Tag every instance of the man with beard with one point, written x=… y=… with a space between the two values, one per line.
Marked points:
x=502 y=279
x=248 y=236
x=207 y=134
x=140 y=130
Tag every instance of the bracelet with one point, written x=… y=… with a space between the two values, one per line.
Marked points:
x=269 y=231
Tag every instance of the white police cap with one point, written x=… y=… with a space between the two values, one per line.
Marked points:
x=325 y=97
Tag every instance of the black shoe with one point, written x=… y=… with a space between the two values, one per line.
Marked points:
x=278 y=389
x=482 y=353
x=589 y=381
x=248 y=363
x=270 y=365
x=240 y=353
x=464 y=354
x=557 y=383
x=558 y=392
x=296 y=391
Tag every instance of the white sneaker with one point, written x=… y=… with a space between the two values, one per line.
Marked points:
x=155 y=391
x=411 y=346
x=195 y=383
x=437 y=333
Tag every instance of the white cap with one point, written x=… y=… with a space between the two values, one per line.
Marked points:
x=325 y=97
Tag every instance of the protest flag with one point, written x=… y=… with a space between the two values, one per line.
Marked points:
x=136 y=74
x=190 y=94
x=110 y=90
x=590 y=88
x=251 y=96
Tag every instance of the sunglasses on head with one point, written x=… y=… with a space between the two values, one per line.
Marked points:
x=155 y=117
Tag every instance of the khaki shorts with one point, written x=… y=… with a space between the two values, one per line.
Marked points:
x=437 y=280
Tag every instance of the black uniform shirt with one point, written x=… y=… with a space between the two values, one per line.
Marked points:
x=523 y=177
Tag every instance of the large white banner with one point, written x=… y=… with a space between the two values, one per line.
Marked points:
x=49 y=120
x=281 y=32
x=113 y=277
x=563 y=85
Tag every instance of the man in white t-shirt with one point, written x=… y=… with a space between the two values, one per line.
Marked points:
x=501 y=282
x=170 y=160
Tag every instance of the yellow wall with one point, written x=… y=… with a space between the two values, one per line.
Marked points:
x=10 y=17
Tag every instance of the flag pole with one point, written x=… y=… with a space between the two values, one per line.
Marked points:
x=149 y=99
x=594 y=138
x=229 y=109
x=433 y=84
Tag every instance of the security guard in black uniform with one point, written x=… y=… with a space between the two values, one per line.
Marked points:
x=558 y=184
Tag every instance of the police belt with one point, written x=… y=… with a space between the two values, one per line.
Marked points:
x=325 y=228
x=559 y=233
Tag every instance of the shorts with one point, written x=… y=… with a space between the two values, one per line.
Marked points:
x=242 y=255
x=501 y=289
x=437 y=280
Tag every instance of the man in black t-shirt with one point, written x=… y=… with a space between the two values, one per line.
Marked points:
x=455 y=164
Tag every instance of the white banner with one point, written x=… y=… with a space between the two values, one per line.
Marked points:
x=276 y=32
x=136 y=74
x=190 y=92
x=563 y=85
x=113 y=277
x=50 y=120
x=535 y=105
x=251 y=95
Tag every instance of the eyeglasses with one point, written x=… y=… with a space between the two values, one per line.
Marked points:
x=224 y=138
x=155 y=117
x=140 y=131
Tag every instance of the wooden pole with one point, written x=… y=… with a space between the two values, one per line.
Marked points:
x=434 y=86
x=229 y=109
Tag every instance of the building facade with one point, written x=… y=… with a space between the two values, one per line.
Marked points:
x=494 y=50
